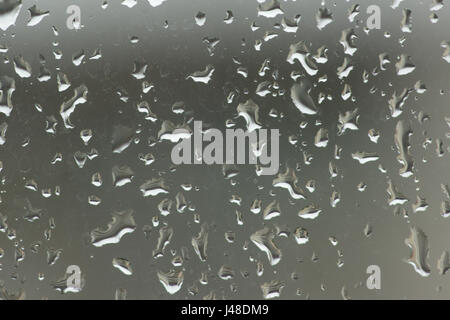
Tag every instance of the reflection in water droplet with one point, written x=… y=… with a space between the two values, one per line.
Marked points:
x=263 y=239
x=418 y=242
x=121 y=224
x=172 y=280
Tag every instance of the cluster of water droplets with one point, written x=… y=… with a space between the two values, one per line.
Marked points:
x=354 y=146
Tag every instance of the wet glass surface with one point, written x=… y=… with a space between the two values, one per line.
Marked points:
x=91 y=96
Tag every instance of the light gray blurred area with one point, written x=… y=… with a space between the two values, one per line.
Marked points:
x=87 y=178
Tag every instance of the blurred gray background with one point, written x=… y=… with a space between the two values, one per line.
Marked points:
x=171 y=44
